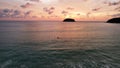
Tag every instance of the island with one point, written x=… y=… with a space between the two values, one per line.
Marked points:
x=114 y=20
x=68 y=20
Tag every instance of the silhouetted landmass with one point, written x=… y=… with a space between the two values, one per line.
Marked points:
x=68 y=20
x=114 y=20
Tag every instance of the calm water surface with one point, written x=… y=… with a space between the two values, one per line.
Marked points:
x=59 y=45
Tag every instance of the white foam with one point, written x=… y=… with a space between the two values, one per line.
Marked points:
x=6 y=63
x=23 y=66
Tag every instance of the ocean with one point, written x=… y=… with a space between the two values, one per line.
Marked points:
x=35 y=44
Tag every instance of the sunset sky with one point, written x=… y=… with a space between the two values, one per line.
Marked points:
x=81 y=10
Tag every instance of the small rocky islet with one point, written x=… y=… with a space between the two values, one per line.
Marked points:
x=69 y=20
x=114 y=20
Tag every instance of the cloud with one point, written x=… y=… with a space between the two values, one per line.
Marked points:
x=78 y=14
x=112 y=3
x=96 y=9
x=10 y=13
x=116 y=15
x=6 y=10
x=34 y=0
x=64 y=12
x=86 y=0
x=27 y=13
x=70 y=8
x=16 y=13
x=88 y=14
x=49 y=10
x=118 y=8
x=27 y=5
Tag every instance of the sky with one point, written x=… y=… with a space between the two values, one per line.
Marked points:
x=81 y=10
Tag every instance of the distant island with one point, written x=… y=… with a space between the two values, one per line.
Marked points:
x=69 y=20
x=114 y=20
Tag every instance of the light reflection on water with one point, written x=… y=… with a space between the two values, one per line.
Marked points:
x=59 y=45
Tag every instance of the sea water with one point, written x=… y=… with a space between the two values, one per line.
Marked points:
x=34 y=44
